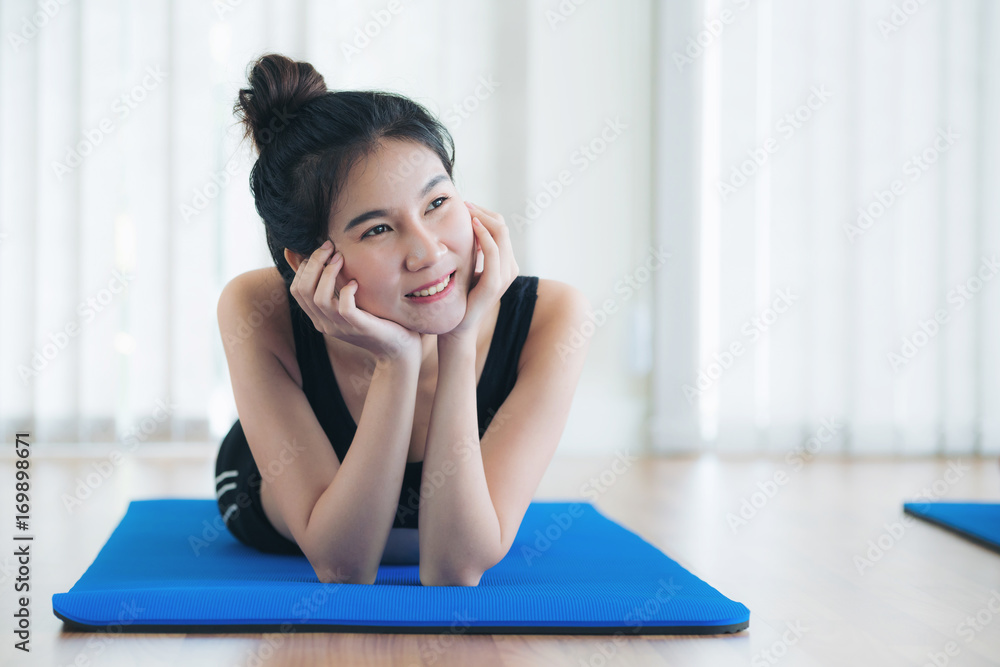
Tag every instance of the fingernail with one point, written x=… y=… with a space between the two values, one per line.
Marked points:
x=327 y=245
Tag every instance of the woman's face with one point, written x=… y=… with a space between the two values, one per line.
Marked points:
x=400 y=224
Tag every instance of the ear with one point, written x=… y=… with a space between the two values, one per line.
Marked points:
x=294 y=259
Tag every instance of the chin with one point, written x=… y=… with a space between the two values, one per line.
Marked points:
x=439 y=317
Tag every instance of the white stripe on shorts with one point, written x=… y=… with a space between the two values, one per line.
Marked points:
x=227 y=487
x=224 y=475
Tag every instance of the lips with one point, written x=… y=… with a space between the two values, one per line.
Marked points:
x=429 y=285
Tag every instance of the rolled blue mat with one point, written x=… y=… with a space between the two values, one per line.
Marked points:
x=171 y=566
x=979 y=522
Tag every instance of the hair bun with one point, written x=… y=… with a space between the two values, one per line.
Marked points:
x=278 y=87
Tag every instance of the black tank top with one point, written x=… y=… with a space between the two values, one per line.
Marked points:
x=499 y=374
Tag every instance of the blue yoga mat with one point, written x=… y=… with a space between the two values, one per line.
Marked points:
x=171 y=566
x=979 y=522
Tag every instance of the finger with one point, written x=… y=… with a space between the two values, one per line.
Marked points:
x=477 y=210
x=486 y=235
x=487 y=243
x=300 y=292
x=311 y=268
x=326 y=289
x=346 y=300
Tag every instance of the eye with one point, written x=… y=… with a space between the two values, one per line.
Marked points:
x=439 y=201
x=373 y=229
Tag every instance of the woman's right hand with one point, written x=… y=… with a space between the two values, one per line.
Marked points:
x=314 y=288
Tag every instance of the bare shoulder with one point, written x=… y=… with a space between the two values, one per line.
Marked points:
x=254 y=306
x=559 y=309
x=558 y=299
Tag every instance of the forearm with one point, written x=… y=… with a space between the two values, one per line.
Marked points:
x=350 y=523
x=459 y=529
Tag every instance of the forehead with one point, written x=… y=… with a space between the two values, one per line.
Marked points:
x=394 y=167
x=390 y=177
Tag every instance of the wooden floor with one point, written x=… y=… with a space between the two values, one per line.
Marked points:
x=794 y=564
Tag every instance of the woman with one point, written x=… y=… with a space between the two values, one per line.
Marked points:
x=402 y=407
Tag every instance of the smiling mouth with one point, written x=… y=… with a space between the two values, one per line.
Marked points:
x=434 y=289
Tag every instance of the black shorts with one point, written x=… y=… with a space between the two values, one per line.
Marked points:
x=237 y=489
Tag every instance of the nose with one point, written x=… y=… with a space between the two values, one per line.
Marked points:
x=425 y=249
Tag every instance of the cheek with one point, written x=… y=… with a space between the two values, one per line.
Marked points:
x=463 y=237
x=471 y=231
x=473 y=246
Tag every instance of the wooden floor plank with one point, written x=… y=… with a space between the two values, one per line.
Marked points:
x=794 y=563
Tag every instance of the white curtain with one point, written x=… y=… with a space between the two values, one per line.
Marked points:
x=827 y=182
x=120 y=166
x=124 y=205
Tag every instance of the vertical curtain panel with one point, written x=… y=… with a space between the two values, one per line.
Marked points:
x=838 y=208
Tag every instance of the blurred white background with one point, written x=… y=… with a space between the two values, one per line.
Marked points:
x=784 y=212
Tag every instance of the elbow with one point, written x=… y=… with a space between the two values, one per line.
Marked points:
x=342 y=575
x=438 y=577
x=331 y=570
x=449 y=571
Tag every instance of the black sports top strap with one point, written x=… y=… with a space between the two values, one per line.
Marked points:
x=499 y=375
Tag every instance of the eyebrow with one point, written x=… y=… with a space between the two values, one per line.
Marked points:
x=383 y=213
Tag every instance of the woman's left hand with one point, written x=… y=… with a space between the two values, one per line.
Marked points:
x=499 y=269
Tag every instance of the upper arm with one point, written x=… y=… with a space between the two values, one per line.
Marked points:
x=524 y=433
x=286 y=439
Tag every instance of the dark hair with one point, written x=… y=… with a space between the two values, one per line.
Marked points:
x=308 y=138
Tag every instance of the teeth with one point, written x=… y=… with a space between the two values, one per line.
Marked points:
x=433 y=289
